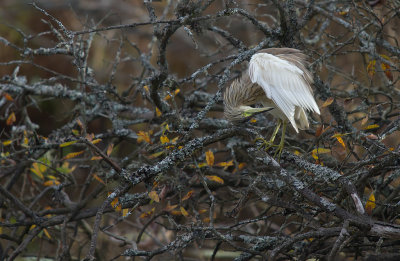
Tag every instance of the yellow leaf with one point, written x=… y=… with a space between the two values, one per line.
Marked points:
x=253 y=120
x=146 y=88
x=225 y=164
x=175 y=93
x=158 y=112
x=156 y=155
x=240 y=167
x=98 y=178
x=25 y=142
x=188 y=195
x=206 y=220
x=96 y=158
x=154 y=196
x=68 y=143
x=51 y=183
x=8 y=96
x=46 y=233
x=320 y=151
x=114 y=203
x=7 y=142
x=143 y=136
x=51 y=177
x=164 y=139
x=328 y=102
x=201 y=211
x=109 y=149
x=340 y=140
x=37 y=170
x=147 y=214
x=373 y=126
x=11 y=119
x=216 y=179
x=176 y=212
x=371 y=68
x=370 y=205
x=170 y=207
x=125 y=212
x=184 y=212
x=339 y=135
x=73 y=155
x=343 y=13
x=201 y=165
x=96 y=141
x=210 y=158
x=75 y=132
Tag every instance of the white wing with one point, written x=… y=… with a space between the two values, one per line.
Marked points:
x=283 y=83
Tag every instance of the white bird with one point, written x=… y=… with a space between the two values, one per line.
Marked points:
x=279 y=80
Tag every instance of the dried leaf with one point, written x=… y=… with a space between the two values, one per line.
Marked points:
x=143 y=136
x=184 y=212
x=158 y=112
x=170 y=207
x=51 y=183
x=216 y=179
x=340 y=140
x=37 y=170
x=8 y=96
x=164 y=139
x=75 y=132
x=110 y=149
x=7 y=142
x=328 y=102
x=154 y=196
x=373 y=126
x=188 y=195
x=73 y=155
x=98 y=178
x=156 y=155
x=147 y=214
x=210 y=158
x=46 y=233
x=320 y=151
x=175 y=93
x=125 y=212
x=11 y=119
x=371 y=68
x=225 y=164
x=370 y=205
x=96 y=141
x=68 y=143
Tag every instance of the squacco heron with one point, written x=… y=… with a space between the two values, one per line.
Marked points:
x=277 y=79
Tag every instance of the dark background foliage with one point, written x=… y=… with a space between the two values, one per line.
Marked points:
x=114 y=146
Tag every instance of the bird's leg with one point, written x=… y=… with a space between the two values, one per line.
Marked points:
x=282 y=142
x=268 y=144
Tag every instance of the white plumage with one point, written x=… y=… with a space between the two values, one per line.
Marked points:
x=286 y=86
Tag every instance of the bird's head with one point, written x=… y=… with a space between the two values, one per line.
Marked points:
x=238 y=97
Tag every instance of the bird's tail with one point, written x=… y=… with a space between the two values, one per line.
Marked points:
x=300 y=118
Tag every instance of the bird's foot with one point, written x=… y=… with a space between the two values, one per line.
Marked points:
x=265 y=144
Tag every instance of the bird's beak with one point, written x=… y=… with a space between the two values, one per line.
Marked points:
x=250 y=111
